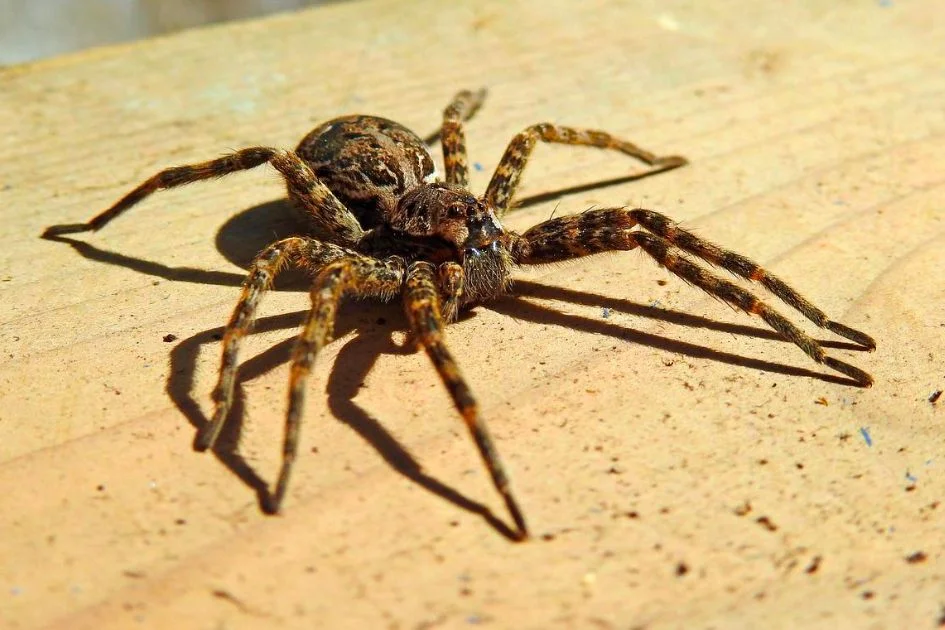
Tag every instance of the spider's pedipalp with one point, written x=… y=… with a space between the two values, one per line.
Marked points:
x=507 y=174
x=421 y=303
x=352 y=274
x=328 y=217
x=452 y=283
x=305 y=252
x=453 y=138
x=609 y=229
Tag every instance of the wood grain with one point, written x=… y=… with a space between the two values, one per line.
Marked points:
x=681 y=466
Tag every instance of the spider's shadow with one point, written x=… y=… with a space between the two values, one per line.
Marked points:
x=353 y=364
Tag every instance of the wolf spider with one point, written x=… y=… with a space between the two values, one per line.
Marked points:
x=381 y=223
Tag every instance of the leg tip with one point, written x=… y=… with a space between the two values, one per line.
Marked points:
x=202 y=444
x=271 y=505
x=860 y=339
x=207 y=438
x=671 y=161
x=862 y=378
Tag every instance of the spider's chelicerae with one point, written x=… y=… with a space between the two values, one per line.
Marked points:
x=381 y=223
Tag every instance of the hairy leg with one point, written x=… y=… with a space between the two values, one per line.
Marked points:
x=451 y=282
x=507 y=175
x=303 y=252
x=739 y=265
x=327 y=216
x=610 y=229
x=422 y=304
x=453 y=138
x=353 y=274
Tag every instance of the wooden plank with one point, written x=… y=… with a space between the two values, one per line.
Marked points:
x=680 y=466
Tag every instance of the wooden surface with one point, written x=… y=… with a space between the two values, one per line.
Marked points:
x=680 y=466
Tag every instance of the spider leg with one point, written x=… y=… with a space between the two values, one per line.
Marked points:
x=354 y=274
x=327 y=216
x=451 y=280
x=453 y=138
x=739 y=265
x=304 y=252
x=422 y=305
x=509 y=171
x=603 y=230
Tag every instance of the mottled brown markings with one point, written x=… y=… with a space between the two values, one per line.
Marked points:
x=501 y=189
x=368 y=162
x=367 y=189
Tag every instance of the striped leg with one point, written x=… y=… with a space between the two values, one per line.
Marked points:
x=451 y=281
x=739 y=265
x=506 y=177
x=352 y=274
x=422 y=305
x=304 y=252
x=598 y=231
x=327 y=216
x=453 y=138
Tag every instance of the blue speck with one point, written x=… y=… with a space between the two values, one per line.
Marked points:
x=910 y=477
x=885 y=3
x=477 y=166
x=605 y=313
x=865 y=432
x=474 y=619
x=16 y=590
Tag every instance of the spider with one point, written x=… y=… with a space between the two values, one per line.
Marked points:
x=381 y=223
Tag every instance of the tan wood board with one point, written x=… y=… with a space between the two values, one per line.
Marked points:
x=679 y=464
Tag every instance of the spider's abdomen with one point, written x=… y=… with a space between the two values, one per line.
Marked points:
x=368 y=163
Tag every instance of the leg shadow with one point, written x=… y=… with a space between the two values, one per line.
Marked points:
x=357 y=357
x=524 y=310
x=527 y=288
x=351 y=368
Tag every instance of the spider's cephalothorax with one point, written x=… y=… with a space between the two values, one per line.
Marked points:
x=381 y=223
x=382 y=172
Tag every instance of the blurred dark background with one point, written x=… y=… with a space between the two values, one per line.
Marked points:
x=33 y=29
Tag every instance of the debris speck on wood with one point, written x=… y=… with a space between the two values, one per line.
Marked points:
x=934 y=396
x=865 y=432
x=168 y=338
x=821 y=401
x=813 y=566
x=767 y=523
x=917 y=557
x=743 y=509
